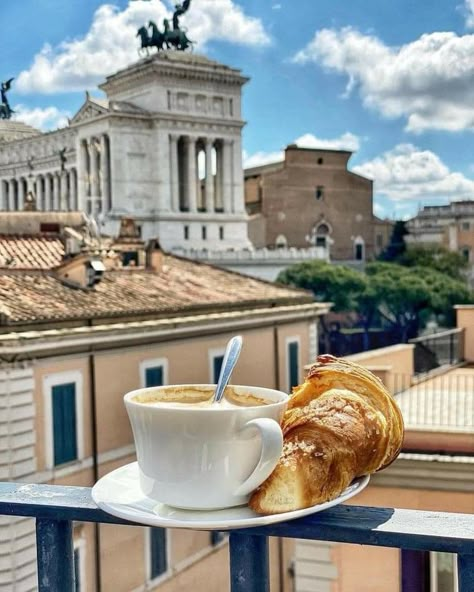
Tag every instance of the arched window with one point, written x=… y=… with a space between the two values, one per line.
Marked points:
x=281 y=241
x=359 y=249
x=322 y=233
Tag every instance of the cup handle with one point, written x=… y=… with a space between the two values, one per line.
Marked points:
x=272 y=446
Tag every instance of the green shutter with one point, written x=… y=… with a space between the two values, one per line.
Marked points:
x=158 y=559
x=216 y=367
x=154 y=376
x=64 y=423
x=293 y=363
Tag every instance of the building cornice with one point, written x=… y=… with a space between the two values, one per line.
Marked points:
x=428 y=471
x=36 y=344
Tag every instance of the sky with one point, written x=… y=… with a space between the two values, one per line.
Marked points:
x=391 y=81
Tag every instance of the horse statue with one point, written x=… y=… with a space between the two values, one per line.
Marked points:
x=177 y=38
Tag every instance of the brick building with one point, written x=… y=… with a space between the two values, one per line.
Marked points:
x=312 y=199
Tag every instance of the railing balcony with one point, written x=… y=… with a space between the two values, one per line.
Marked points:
x=56 y=508
x=439 y=349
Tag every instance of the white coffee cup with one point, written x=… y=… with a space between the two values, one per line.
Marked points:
x=205 y=458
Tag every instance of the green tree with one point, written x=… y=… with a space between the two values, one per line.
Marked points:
x=397 y=246
x=435 y=257
x=338 y=284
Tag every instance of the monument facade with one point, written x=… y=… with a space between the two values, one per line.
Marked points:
x=164 y=147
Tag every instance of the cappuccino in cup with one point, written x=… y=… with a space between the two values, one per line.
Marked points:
x=195 y=454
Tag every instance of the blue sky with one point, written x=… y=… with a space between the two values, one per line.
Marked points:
x=393 y=81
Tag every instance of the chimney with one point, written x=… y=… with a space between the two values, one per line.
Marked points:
x=154 y=256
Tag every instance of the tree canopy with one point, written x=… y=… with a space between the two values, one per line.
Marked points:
x=405 y=297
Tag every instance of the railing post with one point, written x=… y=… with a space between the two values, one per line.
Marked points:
x=55 y=555
x=466 y=573
x=249 y=563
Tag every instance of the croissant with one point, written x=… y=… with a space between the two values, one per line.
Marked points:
x=341 y=423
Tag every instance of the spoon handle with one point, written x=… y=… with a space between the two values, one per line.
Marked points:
x=232 y=352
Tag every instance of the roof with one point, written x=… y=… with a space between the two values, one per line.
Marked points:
x=30 y=252
x=442 y=403
x=181 y=285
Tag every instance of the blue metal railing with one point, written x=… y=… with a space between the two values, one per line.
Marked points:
x=55 y=508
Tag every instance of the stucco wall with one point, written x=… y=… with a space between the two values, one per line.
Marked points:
x=465 y=320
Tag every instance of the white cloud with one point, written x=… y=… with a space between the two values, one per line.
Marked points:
x=428 y=81
x=470 y=13
x=111 y=43
x=347 y=141
x=408 y=173
x=45 y=119
x=276 y=7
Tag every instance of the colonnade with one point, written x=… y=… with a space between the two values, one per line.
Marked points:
x=201 y=172
x=53 y=191
x=94 y=174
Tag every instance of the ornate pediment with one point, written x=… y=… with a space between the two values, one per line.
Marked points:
x=89 y=110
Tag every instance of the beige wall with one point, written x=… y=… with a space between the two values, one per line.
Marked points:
x=117 y=372
x=465 y=320
x=377 y=569
x=394 y=365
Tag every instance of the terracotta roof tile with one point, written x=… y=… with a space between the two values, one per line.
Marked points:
x=30 y=252
x=180 y=285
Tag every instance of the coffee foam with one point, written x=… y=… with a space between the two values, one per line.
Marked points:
x=195 y=397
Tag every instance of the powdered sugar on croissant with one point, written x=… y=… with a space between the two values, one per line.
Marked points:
x=341 y=423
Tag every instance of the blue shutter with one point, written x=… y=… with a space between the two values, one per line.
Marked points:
x=216 y=367
x=64 y=423
x=158 y=559
x=293 y=364
x=154 y=376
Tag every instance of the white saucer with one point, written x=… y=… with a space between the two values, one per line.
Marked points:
x=118 y=493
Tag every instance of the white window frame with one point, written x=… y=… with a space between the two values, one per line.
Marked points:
x=214 y=353
x=166 y=574
x=294 y=339
x=153 y=363
x=50 y=381
x=434 y=572
x=80 y=544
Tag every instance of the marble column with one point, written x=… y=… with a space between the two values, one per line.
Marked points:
x=191 y=174
x=11 y=195
x=56 y=192
x=95 y=182
x=219 y=179
x=227 y=176
x=238 y=195
x=104 y=172
x=72 y=190
x=21 y=194
x=47 y=192
x=82 y=175
x=209 y=202
x=174 y=173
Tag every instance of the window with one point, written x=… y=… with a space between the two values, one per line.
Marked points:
x=158 y=552
x=216 y=357
x=64 y=423
x=130 y=258
x=466 y=253
x=216 y=367
x=359 y=252
x=293 y=362
x=231 y=107
x=221 y=233
x=204 y=232
x=319 y=192
x=379 y=240
x=186 y=232
x=320 y=161
x=466 y=226
x=63 y=418
x=443 y=572
x=154 y=372
x=321 y=241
